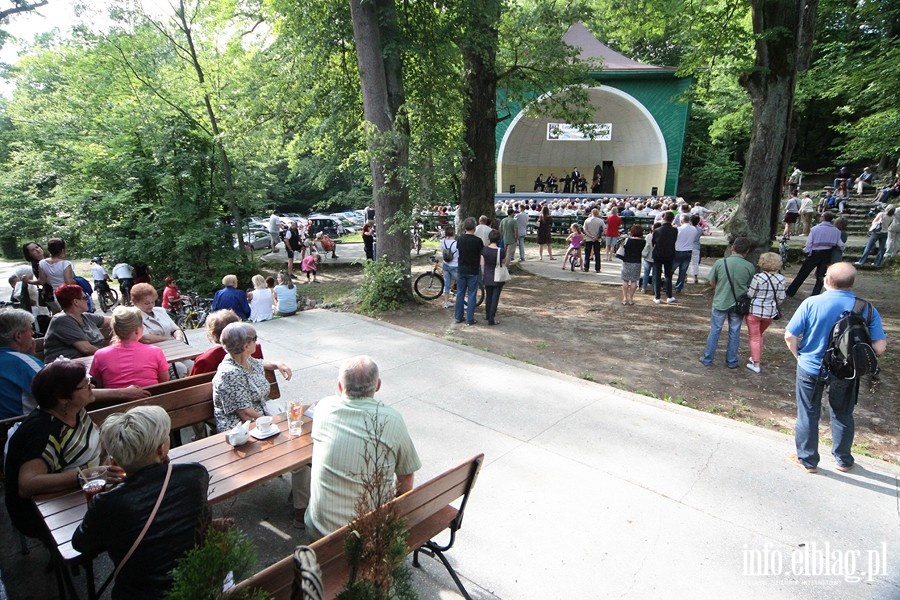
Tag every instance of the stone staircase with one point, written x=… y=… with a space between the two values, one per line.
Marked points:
x=858 y=223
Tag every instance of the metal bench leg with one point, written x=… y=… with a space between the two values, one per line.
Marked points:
x=432 y=549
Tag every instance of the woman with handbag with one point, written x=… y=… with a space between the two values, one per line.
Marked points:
x=156 y=516
x=494 y=275
x=631 y=262
x=767 y=291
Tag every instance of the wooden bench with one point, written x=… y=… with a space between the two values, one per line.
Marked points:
x=186 y=405
x=427 y=512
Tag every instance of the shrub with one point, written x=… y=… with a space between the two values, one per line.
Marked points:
x=384 y=287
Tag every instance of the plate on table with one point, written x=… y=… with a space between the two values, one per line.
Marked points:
x=260 y=435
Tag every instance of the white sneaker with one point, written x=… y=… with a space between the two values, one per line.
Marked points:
x=753 y=367
x=447 y=305
x=656 y=300
x=671 y=301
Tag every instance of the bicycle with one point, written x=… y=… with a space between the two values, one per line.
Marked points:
x=107 y=297
x=784 y=250
x=417 y=239
x=430 y=285
x=192 y=311
x=575 y=260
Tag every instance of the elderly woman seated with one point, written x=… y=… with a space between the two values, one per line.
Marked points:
x=158 y=325
x=231 y=297
x=74 y=332
x=240 y=391
x=138 y=442
x=128 y=361
x=209 y=361
x=52 y=443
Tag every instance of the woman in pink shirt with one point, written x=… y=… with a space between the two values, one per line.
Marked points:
x=128 y=361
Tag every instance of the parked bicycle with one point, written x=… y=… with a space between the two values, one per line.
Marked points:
x=430 y=285
x=192 y=311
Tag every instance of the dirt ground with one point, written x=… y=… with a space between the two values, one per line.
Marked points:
x=582 y=329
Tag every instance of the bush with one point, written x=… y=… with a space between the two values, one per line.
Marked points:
x=384 y=287
x=200 y=573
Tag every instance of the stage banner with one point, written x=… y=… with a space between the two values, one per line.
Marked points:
x=563 y=132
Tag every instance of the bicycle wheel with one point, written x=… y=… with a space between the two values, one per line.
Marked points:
x=480 y=298
x=429 y=285
x=189 y=321
x=107 y=299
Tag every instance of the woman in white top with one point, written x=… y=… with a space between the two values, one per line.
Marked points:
x=450 y=268
x=56 y=270
x=260 y=299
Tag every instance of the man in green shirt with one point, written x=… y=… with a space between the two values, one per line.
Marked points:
x=730 y=284
x=509 y=228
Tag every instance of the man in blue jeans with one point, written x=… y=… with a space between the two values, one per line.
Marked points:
x=469 y=247
x=684 y=249
x=807 y=336
x=731 y=277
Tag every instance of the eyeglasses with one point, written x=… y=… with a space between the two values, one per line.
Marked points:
x=89 y=384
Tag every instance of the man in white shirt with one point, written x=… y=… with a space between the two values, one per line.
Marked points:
x=684 y=248
x=124 y=274
x=274 y=231
x=483 y=229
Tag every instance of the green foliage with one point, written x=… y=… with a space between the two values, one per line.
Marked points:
x=384 y=286
x=200 y=573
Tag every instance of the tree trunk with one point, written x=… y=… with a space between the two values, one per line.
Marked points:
x=376 y=34
x=784 y=31
x=478 y=44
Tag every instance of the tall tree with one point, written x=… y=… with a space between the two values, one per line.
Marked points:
x=784 y=33
x=377 y=37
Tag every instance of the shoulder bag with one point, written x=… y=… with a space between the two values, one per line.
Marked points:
x=620 y=253
x=777 y=314
x=447 y=254
x=140 y=537
x=742 y=302
x=501 y=271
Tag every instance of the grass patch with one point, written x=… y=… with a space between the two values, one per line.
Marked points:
x=617 y=383
x=647 y=393
x=511 y=356
x=541 y=345
x=586 y=375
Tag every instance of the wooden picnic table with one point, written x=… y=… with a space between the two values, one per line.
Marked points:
x=232 y=470
x=175 y=351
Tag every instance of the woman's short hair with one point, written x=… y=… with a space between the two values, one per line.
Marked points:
x=259 y=282
x=358 y=377
x=67 y=294
x=142 y=291
x=169 y=280
x=236 y=336
x=270 y=282
x=55 y=246
x=614 y=211
x=449 y=231
x=769 y=262
x=494 y=236
x=57 y=381
x=126 y=320
x=230 y=281
x=132 y=438
x=636 y=231
x=217 y=321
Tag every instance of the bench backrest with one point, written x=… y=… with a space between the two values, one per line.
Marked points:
x=187 y=403
x=426 y=510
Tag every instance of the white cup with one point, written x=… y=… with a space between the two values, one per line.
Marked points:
x=264 y=424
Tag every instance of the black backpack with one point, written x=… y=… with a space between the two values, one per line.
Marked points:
x=849 y=354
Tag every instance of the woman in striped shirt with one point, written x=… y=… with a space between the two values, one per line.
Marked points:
x=767 y=290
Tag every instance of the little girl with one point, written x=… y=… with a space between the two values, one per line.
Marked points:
x=310 y=264
x=574 y=239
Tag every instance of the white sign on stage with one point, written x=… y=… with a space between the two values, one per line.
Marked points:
x=565 y=132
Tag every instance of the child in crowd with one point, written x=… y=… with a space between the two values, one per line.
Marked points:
x=310 y=264
x=575 y=238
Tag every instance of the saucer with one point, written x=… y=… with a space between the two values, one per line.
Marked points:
x=260 y=435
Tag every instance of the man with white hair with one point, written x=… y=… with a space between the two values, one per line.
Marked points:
x=357 y=442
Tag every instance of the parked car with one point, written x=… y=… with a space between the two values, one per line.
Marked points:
x=331 y=226
x=258 y=239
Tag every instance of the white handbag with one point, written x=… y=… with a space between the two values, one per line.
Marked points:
x=501 y=272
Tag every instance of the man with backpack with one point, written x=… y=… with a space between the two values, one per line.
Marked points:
x=835 y=339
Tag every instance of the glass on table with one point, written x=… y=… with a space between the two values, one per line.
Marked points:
x=93 y=480
x=295 y=410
